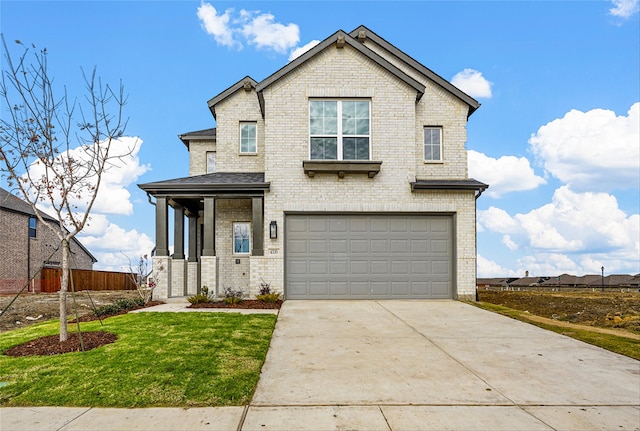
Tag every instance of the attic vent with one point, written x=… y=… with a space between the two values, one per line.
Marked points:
x=362 y=35
x=247 y=86
x=340 y=42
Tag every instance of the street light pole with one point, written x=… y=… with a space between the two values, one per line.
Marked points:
x=602 y=268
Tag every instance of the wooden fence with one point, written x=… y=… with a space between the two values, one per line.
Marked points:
x=86 y=280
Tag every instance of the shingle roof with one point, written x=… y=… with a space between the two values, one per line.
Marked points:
x=198 y=134
x=463 y=184
x=215 y=182
x=13 y=203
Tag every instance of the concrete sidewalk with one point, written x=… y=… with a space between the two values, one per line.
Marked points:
x=400 y=365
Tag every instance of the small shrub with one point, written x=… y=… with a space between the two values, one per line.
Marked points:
x=203 y=297
x=266 y=294
x=268 y=297
x=233 y=296
x=120 y=305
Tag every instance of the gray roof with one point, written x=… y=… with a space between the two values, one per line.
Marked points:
x=219 y=182
x=11 y=202
x=205 y=134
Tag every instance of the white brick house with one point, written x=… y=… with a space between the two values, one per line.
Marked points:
x=341 y=175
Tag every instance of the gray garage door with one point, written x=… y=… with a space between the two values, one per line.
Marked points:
x=369 y=256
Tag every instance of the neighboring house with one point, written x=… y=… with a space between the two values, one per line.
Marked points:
x=342 y=175
x=26 y=246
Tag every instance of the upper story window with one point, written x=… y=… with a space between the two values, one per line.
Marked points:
x=33 y=223
x=211 y=162
x=339 y=129
x=248 y=138
x=432 y=144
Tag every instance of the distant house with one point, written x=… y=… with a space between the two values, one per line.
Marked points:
x=342 y=175
x=25 y=246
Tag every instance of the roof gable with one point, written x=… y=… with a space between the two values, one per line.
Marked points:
x=362 y=33
x=339 y=39
x=247 y=83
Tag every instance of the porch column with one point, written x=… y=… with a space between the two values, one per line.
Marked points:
x=162 y=226
x=193 y=238
x=209 y=248
x=257 y=222
x=178 y=233
x=192 y=264
x=208 y=260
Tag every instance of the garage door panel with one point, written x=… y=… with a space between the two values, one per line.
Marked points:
x=368 y=256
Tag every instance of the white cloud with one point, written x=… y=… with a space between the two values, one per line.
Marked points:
x=570 y=233
x=233 y=29
x=217 y=25
x=594 y=150
x=624 y=8
x=488 y=268
x=504 y=175
x=264 y=33
x=113 y=246
x=297 y=52
x=473 y=83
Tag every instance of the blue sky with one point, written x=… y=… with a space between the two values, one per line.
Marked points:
x=556 y=137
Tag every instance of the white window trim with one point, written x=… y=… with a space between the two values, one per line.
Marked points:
x=244 y=153
x=233 y=238
x=339 y=136
x=441 y=159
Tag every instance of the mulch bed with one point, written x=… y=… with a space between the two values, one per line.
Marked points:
x=51 y=345
x=252 y=304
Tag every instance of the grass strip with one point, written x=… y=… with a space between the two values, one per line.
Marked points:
x=159 y=359
x=622 y=345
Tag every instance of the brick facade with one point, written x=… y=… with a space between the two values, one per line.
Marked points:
x=398 y=117
x=23 y=256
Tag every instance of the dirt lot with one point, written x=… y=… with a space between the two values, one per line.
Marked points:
x=32 y=308
x=604 y=310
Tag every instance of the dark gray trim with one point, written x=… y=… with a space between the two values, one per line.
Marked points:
x=428 y=73
x=330 y=41
x=219 y=182
x=198 y=135
x=467 y=184
x=178 y=233
x=162 y=226
x=246 y=83
x=257 y=226
x=341 y=167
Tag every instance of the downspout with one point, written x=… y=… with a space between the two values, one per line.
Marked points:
x=153 y=250
x=29 y=254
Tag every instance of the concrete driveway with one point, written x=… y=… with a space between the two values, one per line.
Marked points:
x=435 y=365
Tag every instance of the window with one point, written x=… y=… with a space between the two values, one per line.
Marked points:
x=248 y=138
x=241 y=238
x=33 y=222
x=339 y=129
x=211 y=162
x=432 y=144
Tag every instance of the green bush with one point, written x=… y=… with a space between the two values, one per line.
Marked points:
x=119 y=305
x=199 y=298
x=268 y=297
x=233 y=296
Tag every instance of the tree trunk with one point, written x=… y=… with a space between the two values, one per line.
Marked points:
x=64 y=284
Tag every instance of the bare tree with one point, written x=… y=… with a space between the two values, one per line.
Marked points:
x=55 y=149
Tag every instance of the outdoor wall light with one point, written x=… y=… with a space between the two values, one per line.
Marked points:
x=273 y=230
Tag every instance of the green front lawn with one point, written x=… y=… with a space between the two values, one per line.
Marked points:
x=159 y=359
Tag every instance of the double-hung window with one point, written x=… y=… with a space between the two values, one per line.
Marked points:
x=339 y=129
x=33 y=224
x=211 y=162
x=432 y=144
x=248 y=138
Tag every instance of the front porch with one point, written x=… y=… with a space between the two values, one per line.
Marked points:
x=221 y=216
